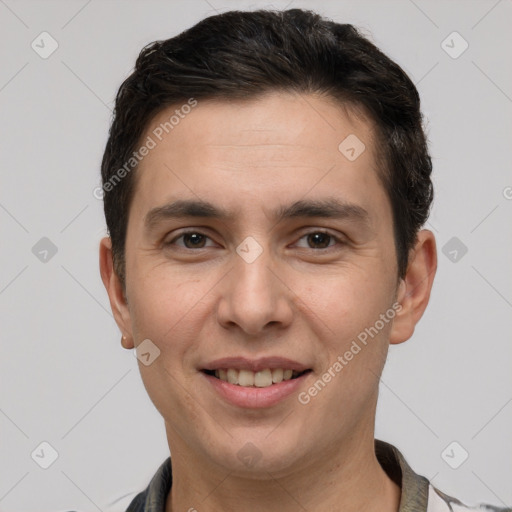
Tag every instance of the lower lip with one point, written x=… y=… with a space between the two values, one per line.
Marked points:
x=253 y=397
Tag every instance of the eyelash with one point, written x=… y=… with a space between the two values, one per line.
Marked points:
x=336 y=239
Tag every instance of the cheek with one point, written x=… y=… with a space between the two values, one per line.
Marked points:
x=172 y=315
x=349 y=301
x=162 y=305
x=355 y=343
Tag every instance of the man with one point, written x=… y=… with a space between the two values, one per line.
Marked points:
x=266 y=179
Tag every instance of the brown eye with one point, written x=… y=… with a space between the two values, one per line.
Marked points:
x=191 y=240
x=319 y=240
x=194 y=240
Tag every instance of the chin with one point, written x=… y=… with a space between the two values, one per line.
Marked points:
x=259 y=456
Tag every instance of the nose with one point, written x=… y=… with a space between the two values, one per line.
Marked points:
x=254 y=297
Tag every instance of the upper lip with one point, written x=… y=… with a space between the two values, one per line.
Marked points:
x=255 y=365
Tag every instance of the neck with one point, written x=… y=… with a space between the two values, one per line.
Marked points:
x=349 y=479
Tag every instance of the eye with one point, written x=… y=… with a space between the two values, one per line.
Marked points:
x=317 y=240
x=191 y=240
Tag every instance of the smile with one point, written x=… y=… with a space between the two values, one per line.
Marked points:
x=259 y=379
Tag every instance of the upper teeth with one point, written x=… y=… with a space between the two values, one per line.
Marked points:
x=260 y=379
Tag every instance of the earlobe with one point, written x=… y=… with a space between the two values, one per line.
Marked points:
x=115 y=291
x=127 y=342
x=415 y=287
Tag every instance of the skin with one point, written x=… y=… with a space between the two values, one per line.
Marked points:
x=298 y=300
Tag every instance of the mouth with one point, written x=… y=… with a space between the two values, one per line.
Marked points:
x=255 y=383
x=255 y=379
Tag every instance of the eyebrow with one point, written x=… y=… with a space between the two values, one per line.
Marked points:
x=331 y=208
x=183 y=208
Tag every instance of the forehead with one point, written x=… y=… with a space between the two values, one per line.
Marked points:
x=259 y=148
x=271 y=119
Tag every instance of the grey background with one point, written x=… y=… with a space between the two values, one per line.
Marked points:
x=65 y=378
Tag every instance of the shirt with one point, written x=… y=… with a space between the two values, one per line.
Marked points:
x=417 y=493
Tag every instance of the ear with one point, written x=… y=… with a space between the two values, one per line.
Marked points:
x=115 y=291
x=414 y=289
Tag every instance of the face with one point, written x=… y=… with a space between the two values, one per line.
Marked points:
x=256 y=249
